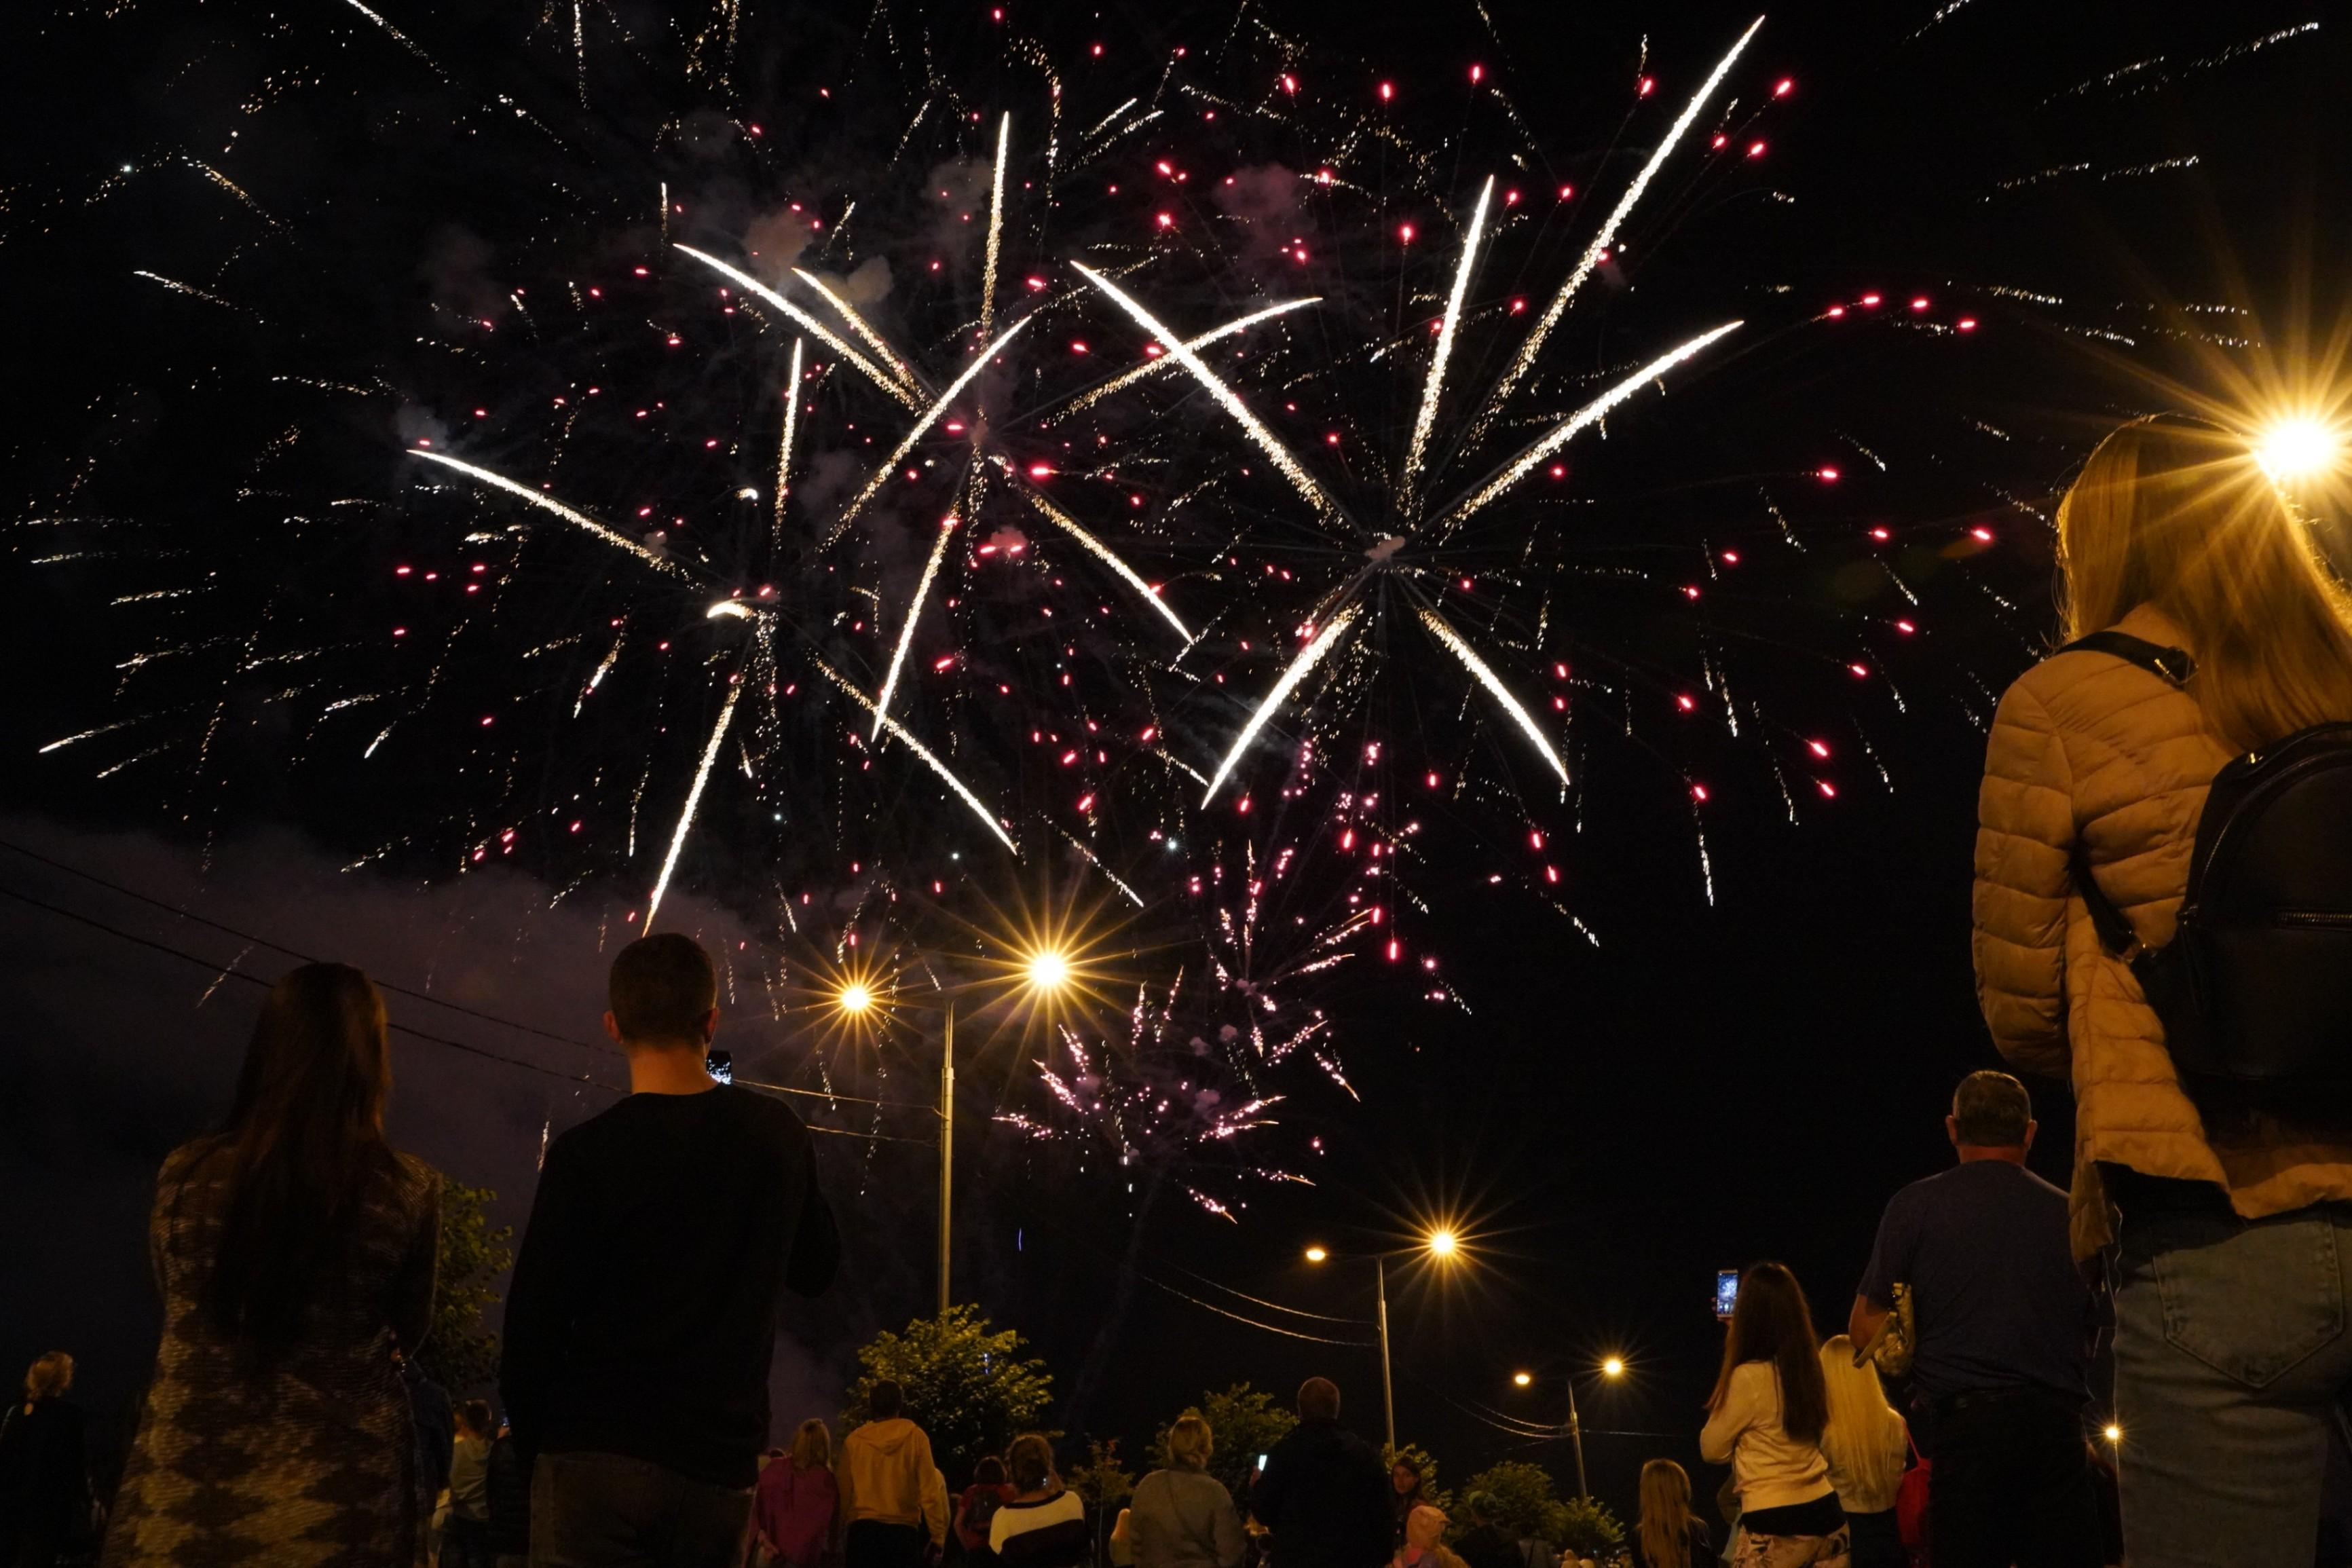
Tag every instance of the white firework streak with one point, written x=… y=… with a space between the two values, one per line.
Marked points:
x=1567 y=429
x=549 y=503
x=996 y=232
x=914 y=613
x=899 y=731
x=930 y=416
x=1183 y=354
x=816 y=328
x=1308 y=657
x=1526 y=358
x=784 y=446
x=1493 y=683
x=1152 y=366
x=861 y=326
x=693 y=799
x=1436 y=383
x=1101 y=552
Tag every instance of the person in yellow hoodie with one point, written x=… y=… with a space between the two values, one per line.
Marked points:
x=892 y=1496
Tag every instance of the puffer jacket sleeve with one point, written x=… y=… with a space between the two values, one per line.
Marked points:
x=2025 y=836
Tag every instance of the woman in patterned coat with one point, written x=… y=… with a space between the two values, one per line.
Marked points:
x=295 y=1250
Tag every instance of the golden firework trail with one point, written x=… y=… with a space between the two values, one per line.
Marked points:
x=862 y=327
x=693 y=799
x=1128 y=378
x=914 y=613
x=814 y=327
x=1308 y=658
x=1526 y=358
x=930 y=415
x=1567 y=429
x=900 y=732
x=995 y=231
x=1436 y=384
x=1101 y=552
x=785 y=445
x=548 y=504
x=1493 y=683
x=1184 y=356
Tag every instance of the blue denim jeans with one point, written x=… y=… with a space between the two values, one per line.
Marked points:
x=606 y=1511
x=2230 y=1351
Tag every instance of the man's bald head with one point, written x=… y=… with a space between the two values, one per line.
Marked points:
x=1318 y=1400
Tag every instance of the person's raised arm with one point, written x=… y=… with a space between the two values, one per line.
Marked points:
x=2025 y=842
x=1741 y=1409
x=1267 y=1492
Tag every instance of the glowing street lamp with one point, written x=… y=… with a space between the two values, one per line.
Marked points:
x=855 y=999
x=1316 y=1255
x=2296 y=447
x=1443 y=1244
x=1612 y=1368
x=1047 y=970
x=2112 y=1433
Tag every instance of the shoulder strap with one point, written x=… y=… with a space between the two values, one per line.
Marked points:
x=2173 y=664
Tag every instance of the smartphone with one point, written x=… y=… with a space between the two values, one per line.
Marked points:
x=1726 y=1292
x=1261 y=1464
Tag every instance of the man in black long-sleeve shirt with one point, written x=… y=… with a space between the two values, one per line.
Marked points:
x=1323 y=1496
x=642 y=1317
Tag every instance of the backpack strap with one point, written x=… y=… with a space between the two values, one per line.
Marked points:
x=2174 y=664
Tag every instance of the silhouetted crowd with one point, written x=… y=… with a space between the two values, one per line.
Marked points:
x=2163 y=916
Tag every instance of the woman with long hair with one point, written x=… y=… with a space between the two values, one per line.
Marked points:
x=798 y=1500
x=1865 y=1443
x=295 y=1251
x=1765 y=1420
x=2226 y=1372
x=1667 y=1534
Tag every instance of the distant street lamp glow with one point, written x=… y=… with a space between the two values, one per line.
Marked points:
x=1316 y=1255
x=1442 y=1243
x=1522 y=1379
x=2112 y=1433
x=2297 y=449
x=855 y=998
x=1613 y=1367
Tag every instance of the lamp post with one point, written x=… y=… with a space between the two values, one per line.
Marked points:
x=1044 y=973
x=1439 y=1244
x=1612 y=1368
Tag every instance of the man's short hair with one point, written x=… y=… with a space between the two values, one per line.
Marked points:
x=885 y=1399
x=475 y=1415
x=662 y=988
x=1990 y=1110
x=1318 y=1400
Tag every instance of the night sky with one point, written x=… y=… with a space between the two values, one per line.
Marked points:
x=1607 y=1122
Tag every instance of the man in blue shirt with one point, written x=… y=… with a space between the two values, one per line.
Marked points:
x=2004 y=1326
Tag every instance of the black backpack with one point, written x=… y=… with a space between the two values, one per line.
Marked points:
x=2254 y=990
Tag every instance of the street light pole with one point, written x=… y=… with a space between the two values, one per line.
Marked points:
x=1576 y=1440
x=947 y=1147
x=1387 y=1384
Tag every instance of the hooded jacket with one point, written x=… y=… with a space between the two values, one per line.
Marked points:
x=2087 y=749
x=885 y=1475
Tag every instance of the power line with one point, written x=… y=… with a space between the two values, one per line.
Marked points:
x=183 y=913
x=230 y=971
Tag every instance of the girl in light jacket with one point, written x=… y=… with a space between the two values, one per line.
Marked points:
x=2234 y=1260
x=1766 y=1418
x=1182 y=1517
x=1865 y=1443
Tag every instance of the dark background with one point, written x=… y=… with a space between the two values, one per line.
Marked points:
x=1609 y=1125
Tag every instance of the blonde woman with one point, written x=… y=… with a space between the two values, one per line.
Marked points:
x=1182 y=1517
x=1865 y=1443
x=2226 y=1372
x=45 y=1502
x=1668 y=1535
x=797 y=1503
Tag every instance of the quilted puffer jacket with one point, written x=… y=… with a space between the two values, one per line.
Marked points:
x=2087 y=748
